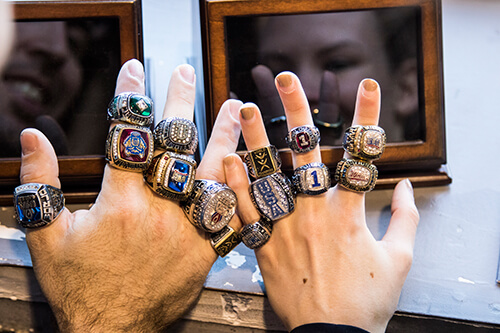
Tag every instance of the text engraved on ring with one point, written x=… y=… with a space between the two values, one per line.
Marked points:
x=271 y=199
x=28 y=207
x=359 y=175
x=45 y=201
x=179 y=176
x=303 y=140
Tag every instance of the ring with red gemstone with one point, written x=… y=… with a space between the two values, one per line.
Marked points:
x=356 y=175
x=129 y=147
x=302 y=139
x=365 y=142
x=132 y=108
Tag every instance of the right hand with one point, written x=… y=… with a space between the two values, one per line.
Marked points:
x=132 y=262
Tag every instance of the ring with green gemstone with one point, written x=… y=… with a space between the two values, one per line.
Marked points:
x=132 y=108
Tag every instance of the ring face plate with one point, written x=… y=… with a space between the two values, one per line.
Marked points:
x=365 y=142
x=303 y=138
x=211 y=205
x=273 y=196
x=256 y=234
x=129 y=147
x=225 y=240
x=263 y=161
x=358 y=176
x=132 y=108
x=37 y=205
x=372 y=143
x=171 y=175
x=312 y=179
x=177 y=134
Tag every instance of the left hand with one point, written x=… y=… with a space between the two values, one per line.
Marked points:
x=322 y=263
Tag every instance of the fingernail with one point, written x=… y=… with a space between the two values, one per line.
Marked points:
x=247 y=112
x=29 y=142
x=369 y=87
x=187 y=73
x=136 y=70
x=285 y=82
x=409 y=186
x=229 y=161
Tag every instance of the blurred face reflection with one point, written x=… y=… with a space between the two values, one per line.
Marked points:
x=348 y=45
x=42 y=76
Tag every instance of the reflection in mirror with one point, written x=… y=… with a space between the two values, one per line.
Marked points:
x=331 y=53
x=59 y=79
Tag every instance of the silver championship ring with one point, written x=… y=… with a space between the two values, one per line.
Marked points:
x=256 y=234
x=176 y=134
x=356 y=175
x=210 y=206
x=311 y=179
x=273 y=196
x=129 y=147
x=302 y=139
x=365 y=142
x=171 y=175
x=132 y=108
x=37 y=205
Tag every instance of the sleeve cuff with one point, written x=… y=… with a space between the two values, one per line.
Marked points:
x=327 y=328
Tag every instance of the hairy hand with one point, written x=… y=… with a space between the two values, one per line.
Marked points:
x=321 y=263
x=132 y=262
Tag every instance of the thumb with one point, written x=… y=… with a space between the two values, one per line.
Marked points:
x=38 y=159
x=39 y=165
x=400 y=235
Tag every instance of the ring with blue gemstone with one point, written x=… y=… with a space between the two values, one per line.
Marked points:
x=364 y=142
x=171 y=175
x=37 y=205
x=132 y=108
x=129 y=147
x=273 y=196
x=210 y=205
x=256 y=234
x=176 y=134
x=302 y=139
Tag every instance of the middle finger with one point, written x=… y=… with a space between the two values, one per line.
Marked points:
x=297 y=113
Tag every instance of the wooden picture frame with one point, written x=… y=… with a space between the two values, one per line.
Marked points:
x=423 y=159
x=81 y=174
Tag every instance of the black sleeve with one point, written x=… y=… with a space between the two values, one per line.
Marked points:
x=327 y=328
